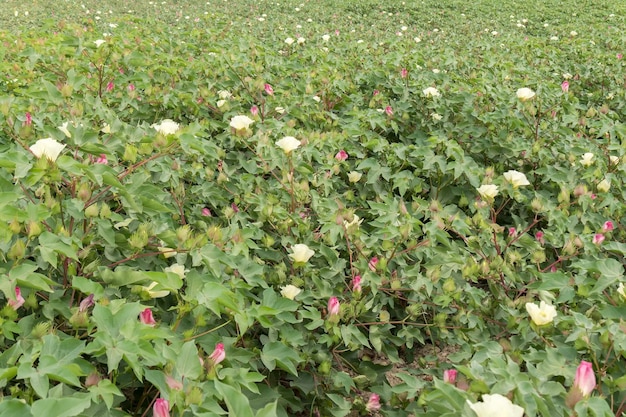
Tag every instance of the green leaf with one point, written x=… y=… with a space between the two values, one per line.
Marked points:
x=60 y=407
x=106 y=391
x=237 y=403
x=277 y=354
x=12 y=408
x=188 y=364
x=268 y=411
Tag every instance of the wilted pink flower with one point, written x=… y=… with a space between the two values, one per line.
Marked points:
x=372 y=264
x=269 y=90
x=29 y=119
x=86 y=303
x=565 y=86
x=373 y=403
x=356 y=283
x=620 y=56
x=512 y=232
x=598 y=238
x=147 y=318
x=102 y=159
x=173 y=384
x=206 y=212
x=449 y=376
x=254 y=110
x=337 y=32
x=333 y=306
x=131 y=87
x=376 y=92
x=19 y=300
x=389 y=111
x=404 y=73
x=161 y=408
x=110 y=86
x=539 y=237
x=341 y=155
x=553 y=268
x=593 y=196
x=234 y=207
x=607 y=226
x=585 y=380
x=218 y=355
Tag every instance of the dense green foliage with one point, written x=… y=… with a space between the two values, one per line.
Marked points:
x=404 y=112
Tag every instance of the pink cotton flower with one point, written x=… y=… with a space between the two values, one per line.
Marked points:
x=341 y=155
x=539 y=237
x=161 y=408
x=29 y=119
x=356 y=284
x=376 y=92
x=206 y=212
x=218 y=355
x=372 y=264
x=86 y=303
x=404 y=73
x=598 y=238
x=373 y=403
x=147 y=318
x=607 y=226
x=173 y=383
x=110 y=86
x=254 y=110
x=19 y=300
x=619 y=56
x=449 y=376
x=333 y=307
x=102 y=159
x=269 y=90
x=512 y=232
x=585 y=380
x=389 y=111
x=565 y=86
x=131 y=87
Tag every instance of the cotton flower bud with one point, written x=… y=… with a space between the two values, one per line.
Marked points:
x=563 y=196
x=434 y=206
x=92 y=211
x=130 y=153
x=183 y=233
x=66 y=90
x=34 y=229
x=15 y=226
x=215 y=234
x=105 y=211
x=84 y=192
x=580 y=190
x=536 y=205
x=17 y=250
x=221 y=178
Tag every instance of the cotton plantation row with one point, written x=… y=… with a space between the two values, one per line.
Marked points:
x=261 y=209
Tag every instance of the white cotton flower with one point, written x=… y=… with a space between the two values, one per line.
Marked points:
x=541 y=314
x=525 y=94
x=288 y=144
x=289 y=41
x=431 y=92
x=166 y=127
x=177 y=269
x=516 y=178
x=354 y=176
x=48 y=148
x=496 y=405
x=99 y=42
x=488 y=191
x=290 y=291
x=63 y=128
x=240 y=122
x=301 y=253
x=587 y=159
